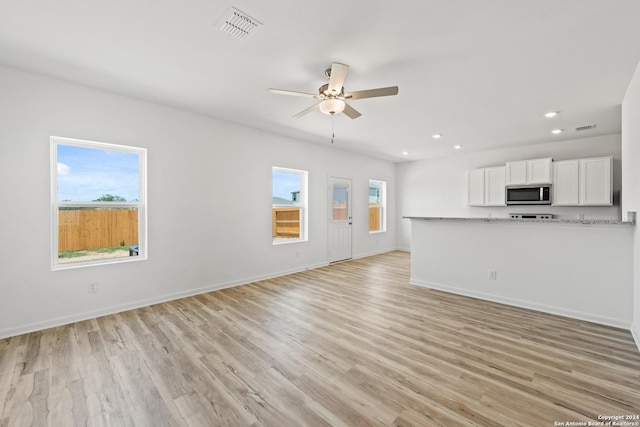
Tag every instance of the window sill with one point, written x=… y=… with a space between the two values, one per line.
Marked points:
x=82 y=264
x=287 y=241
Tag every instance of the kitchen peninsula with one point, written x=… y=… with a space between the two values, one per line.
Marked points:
x=578 y=268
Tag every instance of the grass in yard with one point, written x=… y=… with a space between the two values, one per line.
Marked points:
x=75 y=254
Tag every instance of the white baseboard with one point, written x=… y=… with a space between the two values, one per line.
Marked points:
x=589 y=317
x=368 y=254
x=635 y=330
x=79 y=317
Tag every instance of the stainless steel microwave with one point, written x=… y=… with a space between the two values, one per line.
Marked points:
x=529 y=194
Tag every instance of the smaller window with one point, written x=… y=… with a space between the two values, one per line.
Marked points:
x=288 y=205
x=377 y=206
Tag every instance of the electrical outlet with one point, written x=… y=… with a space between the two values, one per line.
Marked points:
x=492 y=275
x=93 y=287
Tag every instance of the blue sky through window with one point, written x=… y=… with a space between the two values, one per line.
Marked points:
x=85 y=174
x=375 y=189
x=284 y=183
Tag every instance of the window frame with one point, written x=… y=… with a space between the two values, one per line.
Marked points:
x=382 y=207
x=141 y=204
x=303 y=205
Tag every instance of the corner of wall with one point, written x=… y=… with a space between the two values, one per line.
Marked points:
x=635 y=330
x=630 y=183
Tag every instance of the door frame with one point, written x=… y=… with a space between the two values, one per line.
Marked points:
x=331 y=180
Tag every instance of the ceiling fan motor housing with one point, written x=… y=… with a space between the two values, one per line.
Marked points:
x=326 y=93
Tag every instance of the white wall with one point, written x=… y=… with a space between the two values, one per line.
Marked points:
x=209 y=198
x=438 y=187
x=631 y=182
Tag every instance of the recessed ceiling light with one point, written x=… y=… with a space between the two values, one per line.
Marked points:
x=551 y=114
x=405 y=153
x=556 y=131
x=437 y=135
x=457 y=147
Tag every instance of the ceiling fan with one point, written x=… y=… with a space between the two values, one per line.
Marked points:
x=333 y=96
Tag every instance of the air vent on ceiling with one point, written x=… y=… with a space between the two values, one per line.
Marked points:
x=587 y=127
x=238 y=24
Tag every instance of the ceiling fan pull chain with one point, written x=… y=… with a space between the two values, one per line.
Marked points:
x=333 y=128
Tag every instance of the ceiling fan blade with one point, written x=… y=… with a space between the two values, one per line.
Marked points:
x=372 y=93
x=336 y=80
x=293 y=93
x=350 y=111
x=306 y=111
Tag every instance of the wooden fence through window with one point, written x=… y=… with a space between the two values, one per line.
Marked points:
x=285 y=222
x=85 y=229
x=375 y=211
x=82 y=229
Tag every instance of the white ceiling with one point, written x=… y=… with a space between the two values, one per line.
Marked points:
x=480 y=72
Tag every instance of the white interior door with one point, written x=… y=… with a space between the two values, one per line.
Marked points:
x=339 y=219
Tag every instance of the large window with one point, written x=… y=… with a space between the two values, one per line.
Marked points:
x=377 y=206
x=288 y=205
x=98 y=203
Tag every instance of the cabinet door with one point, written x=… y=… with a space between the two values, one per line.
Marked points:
x=596 y=181
x=516 y=173
x=539 y=171
x=494 y=179
x=525 y=172
x=475 y=187
x=565 y=183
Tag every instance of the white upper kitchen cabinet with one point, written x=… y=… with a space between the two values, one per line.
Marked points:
x=596 y=181
x=516 y=173
x=526 y=172
x=475 y=187
x=485 y=187
x=583 y=182
x=566 y=187
x=494 y=186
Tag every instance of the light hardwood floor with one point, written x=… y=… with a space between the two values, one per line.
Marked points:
x=352 y=344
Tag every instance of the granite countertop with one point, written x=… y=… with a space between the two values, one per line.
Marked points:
x=544 y=221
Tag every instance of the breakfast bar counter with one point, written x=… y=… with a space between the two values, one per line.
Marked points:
x=579 y=268
x=524 y=220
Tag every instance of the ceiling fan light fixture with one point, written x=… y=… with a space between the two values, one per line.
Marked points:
x=332 y=106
